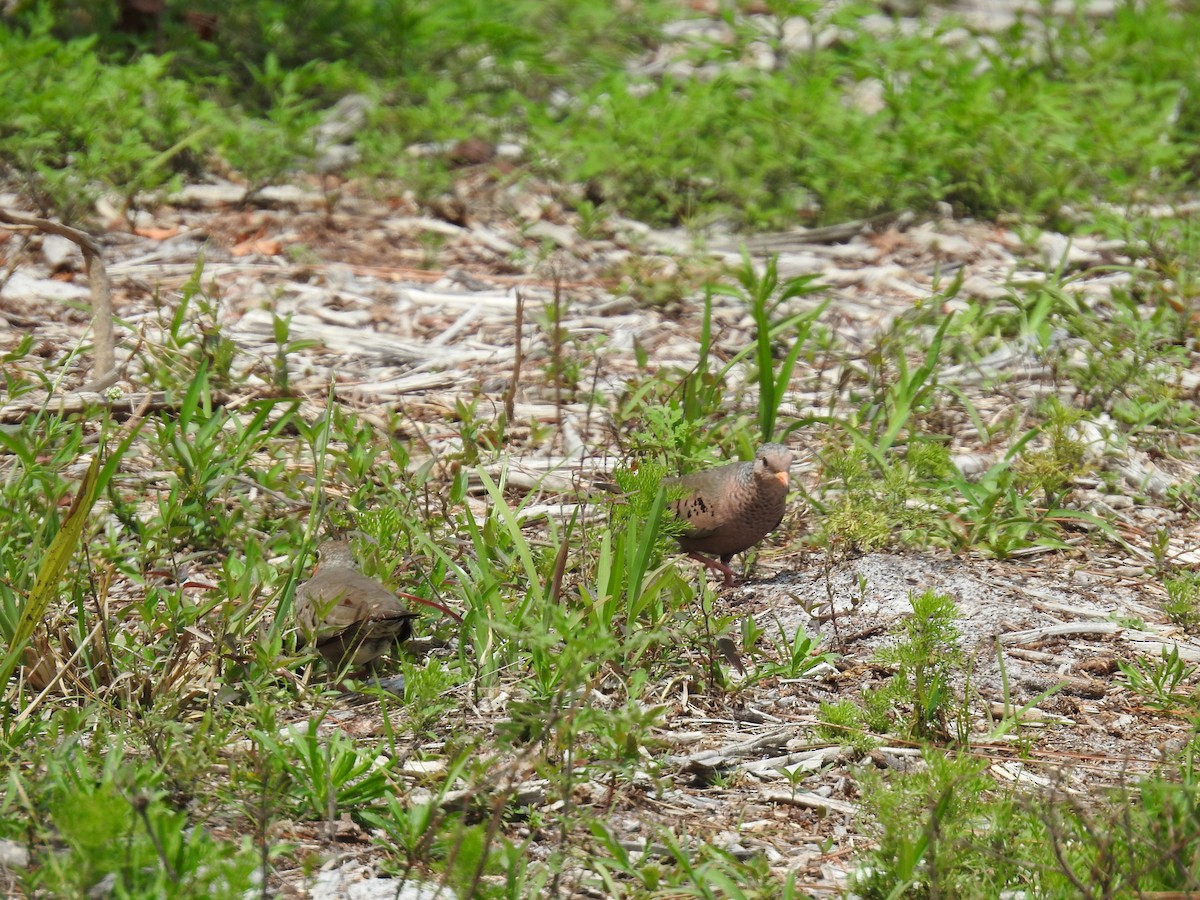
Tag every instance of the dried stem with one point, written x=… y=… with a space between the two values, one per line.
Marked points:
x=104 y=373
x=510 y=396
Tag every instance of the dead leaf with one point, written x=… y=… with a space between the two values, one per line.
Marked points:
x=889 y=241
x=730 y=651
x=157 y=234
x=265 y=246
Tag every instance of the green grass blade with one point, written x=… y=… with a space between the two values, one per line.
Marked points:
x=55 y=563
x=513 y=524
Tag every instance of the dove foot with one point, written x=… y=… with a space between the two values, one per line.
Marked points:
x=716 y=565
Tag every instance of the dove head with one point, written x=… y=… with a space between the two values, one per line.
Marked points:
x=335 y=555
x=772 y=462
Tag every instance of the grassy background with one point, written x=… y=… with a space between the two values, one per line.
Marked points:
x=1033 y=119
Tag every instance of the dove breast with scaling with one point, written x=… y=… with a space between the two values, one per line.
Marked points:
x=731 y=508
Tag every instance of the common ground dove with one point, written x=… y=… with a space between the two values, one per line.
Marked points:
x=352 y=619
x=733 y=507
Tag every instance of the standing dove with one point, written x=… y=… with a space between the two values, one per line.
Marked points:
x=350 y=618
x=733 y=507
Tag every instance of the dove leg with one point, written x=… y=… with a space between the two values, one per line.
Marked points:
x=717 y=565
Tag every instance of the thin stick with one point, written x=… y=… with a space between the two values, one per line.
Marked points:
x=510 y=396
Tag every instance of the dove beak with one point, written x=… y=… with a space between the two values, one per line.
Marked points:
x=783 y=478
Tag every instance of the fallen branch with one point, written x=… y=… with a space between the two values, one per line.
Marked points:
x=808 y=800
x=81 y=401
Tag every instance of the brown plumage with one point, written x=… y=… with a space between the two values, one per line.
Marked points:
x=350 y=618
x=733 y=507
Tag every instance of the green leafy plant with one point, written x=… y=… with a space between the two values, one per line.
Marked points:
x=1182 y=605
x=122 y=138
x=866 y=509
x=21 y=619
x=843 y=722
x=680 y=866
x=209 y=449
x=996 y=511
x=686 y=414
x=1159 y=680
x=1053 y=469
x=996 y=516
x=327 y=773
x=925 y=656
x=900 y=393
x=421 y=830
x=1133 y=373
x=191 y=337
x=797 y=655
x=281 y=330
x=766 y=297
x=630 y=583
x=924 y=824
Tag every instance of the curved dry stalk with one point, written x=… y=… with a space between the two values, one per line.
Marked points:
x=102 y=311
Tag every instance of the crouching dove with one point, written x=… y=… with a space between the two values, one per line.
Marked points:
x=350 y=619
x=732 y=507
